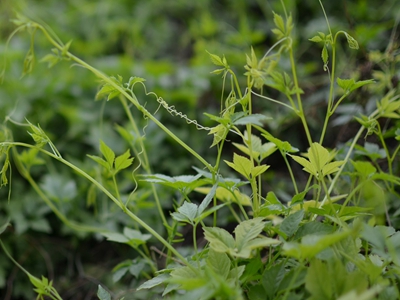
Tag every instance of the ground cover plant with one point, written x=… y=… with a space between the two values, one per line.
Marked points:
x=226 y=229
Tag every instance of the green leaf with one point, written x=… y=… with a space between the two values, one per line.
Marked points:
x=183 y=182
x=100 y=161
x=364 y=168
x=272 y=278
x=219 y=133
x=351 y=41
x=291 y=223
x=256 y=119
x=216 y=60
x=189 y=210
x=278 y=20
x=325 y=57
x=282 y=146
x=206 y=201
x=219 y=263
x=188 y=278
x=220 y=239
x=316 y=39
x=133 y=80
x=108 y=154
x=135 y=236
x=154 y=282
x=318 y=163
x=257 y=243
x=248 y=230
x=38 y=135
x=123 y=161
x=311 y=245
x=241 y=164
x=116 y=237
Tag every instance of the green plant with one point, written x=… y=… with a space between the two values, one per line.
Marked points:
x=332 y=227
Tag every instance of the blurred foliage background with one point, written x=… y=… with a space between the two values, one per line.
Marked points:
x=164 y=42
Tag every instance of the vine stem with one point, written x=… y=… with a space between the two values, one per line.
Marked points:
x=132 y=98
x=133 y=216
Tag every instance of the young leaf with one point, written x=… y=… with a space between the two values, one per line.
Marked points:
x=318 y=163
x=123 y=161
x=108 y=154
x=351 y=41
x=216 y=60
x=316 y=39
x=325 y=57
x=241 y=164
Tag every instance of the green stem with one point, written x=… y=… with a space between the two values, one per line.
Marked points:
x=299 y=102
x=146 y=164
x=133 y=216
x=132 y=98
x=329 y=110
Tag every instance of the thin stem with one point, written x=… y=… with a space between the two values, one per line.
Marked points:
x=132 y=98
x=299 y=103
x=133 y=216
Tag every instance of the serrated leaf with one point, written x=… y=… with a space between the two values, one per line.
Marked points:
x=219 y=133
x=189 y=210
x=345 y=84
x=248 y=230
x=318 y=163
x=216 y=60
x=220 y=239
x=123 y=161
x=258 y=170
x=108 y=154
x=257 y=243
x=291 y=223
x=241 y=164
x=278 y=20
x=282 y=145
x=219 y=263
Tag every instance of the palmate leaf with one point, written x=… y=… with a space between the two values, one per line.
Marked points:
x=318 y=163
x=246 y=238
x=241 y=164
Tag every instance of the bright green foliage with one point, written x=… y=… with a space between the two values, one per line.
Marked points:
x=327 y=234
x=246 y=238
x=245 y=167
x=318 y=163
x=111 y=163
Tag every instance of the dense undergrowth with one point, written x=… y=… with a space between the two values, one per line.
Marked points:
x=279 y=180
